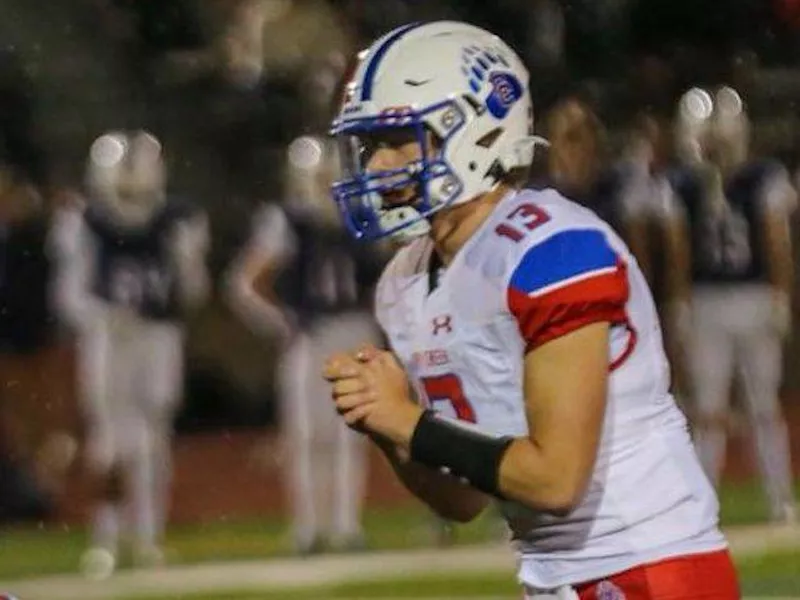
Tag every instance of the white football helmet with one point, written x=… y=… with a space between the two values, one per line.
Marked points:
x=713 y=129
x=126 y=176
x=459 y=82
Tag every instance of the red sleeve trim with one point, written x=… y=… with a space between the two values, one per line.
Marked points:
x=577 y=318
x=546 y=317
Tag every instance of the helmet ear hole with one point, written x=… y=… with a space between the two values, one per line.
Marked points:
x=488 y=140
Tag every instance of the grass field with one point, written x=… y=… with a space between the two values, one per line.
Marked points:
x=774 y=574
x=27 y=553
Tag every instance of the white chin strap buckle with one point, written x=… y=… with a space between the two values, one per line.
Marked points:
x=408 y=219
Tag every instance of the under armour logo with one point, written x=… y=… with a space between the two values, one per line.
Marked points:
x=442 y=322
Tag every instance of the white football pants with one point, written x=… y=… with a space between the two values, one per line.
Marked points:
x=130 y=375
x=325 y=461
x=733 y=334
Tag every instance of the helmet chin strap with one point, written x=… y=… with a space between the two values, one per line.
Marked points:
x=395 y=217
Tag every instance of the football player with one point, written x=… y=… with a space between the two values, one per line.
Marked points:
x=131 y=262
x=738 y=212
x=656 y=233
x=302 y=277
x=527 y=364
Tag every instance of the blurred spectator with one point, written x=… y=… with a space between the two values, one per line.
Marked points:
x=33 y=402
x=577 y=156
x=19 y=146
x=652 y=213
x=655 y=226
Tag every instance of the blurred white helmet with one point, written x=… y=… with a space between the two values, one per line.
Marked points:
x=126 y=176
x=456 y=81
x=713 y=129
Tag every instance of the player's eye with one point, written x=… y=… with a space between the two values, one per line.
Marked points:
x=392 y=139
x=369 y=146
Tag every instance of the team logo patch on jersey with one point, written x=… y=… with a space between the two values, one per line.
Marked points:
x=607 y=590
x=506 y=90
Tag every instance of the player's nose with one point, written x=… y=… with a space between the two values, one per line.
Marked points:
x=383 y=159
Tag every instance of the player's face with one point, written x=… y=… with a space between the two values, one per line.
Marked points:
x=390 y=150
x=653 y=136
x=573 y=148
x=133 y=187
x=725 y=152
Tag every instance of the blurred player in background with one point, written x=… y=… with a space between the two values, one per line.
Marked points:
x=738 y=210
x=302 y=277
x=655 y=226
x=578 y=167
x=652 y=209
x=131 y=264
x=576 y=156
x=527 y=364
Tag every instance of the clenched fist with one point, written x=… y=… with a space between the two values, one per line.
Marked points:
x=371 y=392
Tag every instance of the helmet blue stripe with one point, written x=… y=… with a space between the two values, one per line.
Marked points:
x=377 y=56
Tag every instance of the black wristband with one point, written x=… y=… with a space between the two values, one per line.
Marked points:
x=473 y=456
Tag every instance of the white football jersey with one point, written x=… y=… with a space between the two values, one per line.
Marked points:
x=540 y=267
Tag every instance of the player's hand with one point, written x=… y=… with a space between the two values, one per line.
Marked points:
x=283 y=322
x=679 y=314
x=189 y=239
x=371 y=391
x=350 y=388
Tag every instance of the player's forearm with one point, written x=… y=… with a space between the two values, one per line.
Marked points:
x=636 y=235
x=258 y=313
x=446 y=495
x=781 y=271
x=73 y=302
x=550 y=481
x=543 y=483
x=782 y=280
x=194 y=283
x=678 y=268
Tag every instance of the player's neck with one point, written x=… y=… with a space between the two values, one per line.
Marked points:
x=452 y=228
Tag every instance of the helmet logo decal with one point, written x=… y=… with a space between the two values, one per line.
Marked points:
x=506 y=90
